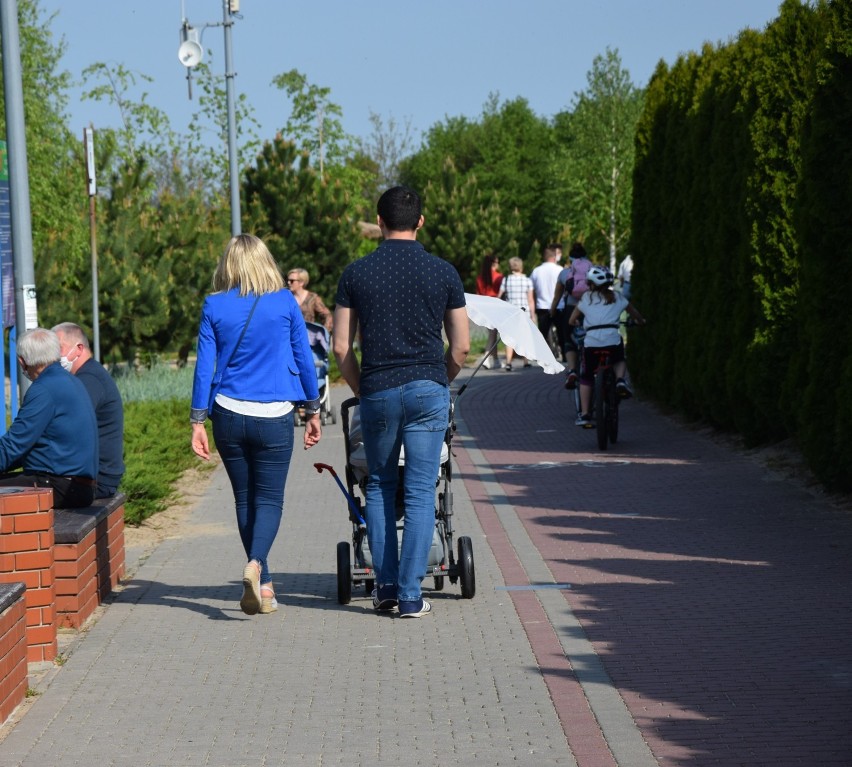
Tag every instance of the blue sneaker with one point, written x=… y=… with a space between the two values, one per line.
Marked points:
x=384 y=598
x=414 y=609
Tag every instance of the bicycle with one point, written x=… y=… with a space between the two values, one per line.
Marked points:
x=605 y=398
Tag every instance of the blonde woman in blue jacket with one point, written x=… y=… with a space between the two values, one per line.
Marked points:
x=254 y=367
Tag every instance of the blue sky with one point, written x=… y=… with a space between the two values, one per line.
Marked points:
x=420 y=61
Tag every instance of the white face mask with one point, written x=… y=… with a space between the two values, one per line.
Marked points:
x=66 y=363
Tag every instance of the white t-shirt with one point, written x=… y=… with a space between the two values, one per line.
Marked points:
x=596 y=312
x=544 y=278
x=626 y=269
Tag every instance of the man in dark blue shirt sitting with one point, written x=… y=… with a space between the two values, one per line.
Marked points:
x=55 y=435
x=109 y=411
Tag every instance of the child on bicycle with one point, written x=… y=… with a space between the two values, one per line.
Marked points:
x=600 y=309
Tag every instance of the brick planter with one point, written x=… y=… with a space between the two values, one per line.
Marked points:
x=89 y=557
x=13 y=648
x=26 y=555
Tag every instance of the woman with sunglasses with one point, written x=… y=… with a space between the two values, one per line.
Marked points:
x=313 y=309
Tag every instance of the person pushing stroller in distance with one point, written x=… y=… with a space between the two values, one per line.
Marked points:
x=402 y=298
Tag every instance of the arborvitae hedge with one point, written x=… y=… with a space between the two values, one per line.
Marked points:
x=742 y=223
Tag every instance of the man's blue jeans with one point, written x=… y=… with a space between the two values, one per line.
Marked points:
x=414 y=416
x=256 y=453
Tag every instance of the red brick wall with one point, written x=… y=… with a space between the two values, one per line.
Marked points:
x=86 y=572
x=13 y=657
x=26 y=554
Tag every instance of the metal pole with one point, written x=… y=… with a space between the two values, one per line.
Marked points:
x=26 y=308
x=236 y=226
x=92 y=190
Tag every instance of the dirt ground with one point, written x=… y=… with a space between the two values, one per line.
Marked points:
x=169 y=523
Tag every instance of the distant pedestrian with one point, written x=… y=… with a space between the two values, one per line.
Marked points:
x=488 y=283
x=571 y=285
x=544 y=278
x=254 y=366
x=518 y=291
x=311 y=305
x=625 y=275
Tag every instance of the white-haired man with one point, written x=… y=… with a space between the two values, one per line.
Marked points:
x=54 y=438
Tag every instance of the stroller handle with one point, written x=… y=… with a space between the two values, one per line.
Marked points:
x=353 y=507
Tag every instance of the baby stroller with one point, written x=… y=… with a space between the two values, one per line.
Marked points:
x=354 y=562
x=320 y=340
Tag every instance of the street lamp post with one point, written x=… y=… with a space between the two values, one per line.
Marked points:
x=190 y=54
x=232 y=120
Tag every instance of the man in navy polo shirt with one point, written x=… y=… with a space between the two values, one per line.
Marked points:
x=401 y=298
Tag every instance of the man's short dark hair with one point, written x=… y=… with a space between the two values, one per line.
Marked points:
x=400 y=208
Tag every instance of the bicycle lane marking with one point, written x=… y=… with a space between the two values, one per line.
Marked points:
x=594 y=717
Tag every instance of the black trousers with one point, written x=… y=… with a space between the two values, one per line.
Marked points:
x=68 y=492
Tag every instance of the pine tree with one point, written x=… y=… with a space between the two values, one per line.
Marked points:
x=306 y=223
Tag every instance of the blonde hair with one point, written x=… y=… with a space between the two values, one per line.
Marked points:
x=248 y=265
x=516 y=264
x=302 y=274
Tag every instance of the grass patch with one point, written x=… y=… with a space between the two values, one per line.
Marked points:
x=156 y=436
x=159 y=383
x=156 y=453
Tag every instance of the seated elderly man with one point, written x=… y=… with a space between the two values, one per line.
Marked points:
x=55 y=435
x=109 y=412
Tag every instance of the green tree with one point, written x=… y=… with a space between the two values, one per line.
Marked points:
x=315 y=122
x=208 y=159
x=597 y=167
x=55 y=162
x=388 y=144
x=509 y=152
x=155 y=261
x=305 y=221
x=463 y=224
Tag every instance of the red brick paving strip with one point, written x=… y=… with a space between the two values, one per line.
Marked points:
x=581 y=728
x=717 y=594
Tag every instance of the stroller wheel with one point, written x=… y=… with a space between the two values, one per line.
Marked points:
x=467 y=575
x=369 y=585
x=439 y=583
x=333 y=414
x=344 y=573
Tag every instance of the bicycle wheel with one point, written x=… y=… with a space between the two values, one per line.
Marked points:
x=612 y=415
x=601 y=408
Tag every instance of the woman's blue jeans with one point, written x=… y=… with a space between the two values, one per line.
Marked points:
x=256 y=453
x=414 y=416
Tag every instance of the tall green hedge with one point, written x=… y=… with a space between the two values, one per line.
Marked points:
x=742 y=223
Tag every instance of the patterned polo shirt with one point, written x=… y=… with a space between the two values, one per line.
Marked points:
x=517 y=287
x=400 y=294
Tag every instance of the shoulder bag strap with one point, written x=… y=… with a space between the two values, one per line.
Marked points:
x=240 y=339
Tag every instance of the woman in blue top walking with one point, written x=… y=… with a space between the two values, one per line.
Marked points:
x=254 y=366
